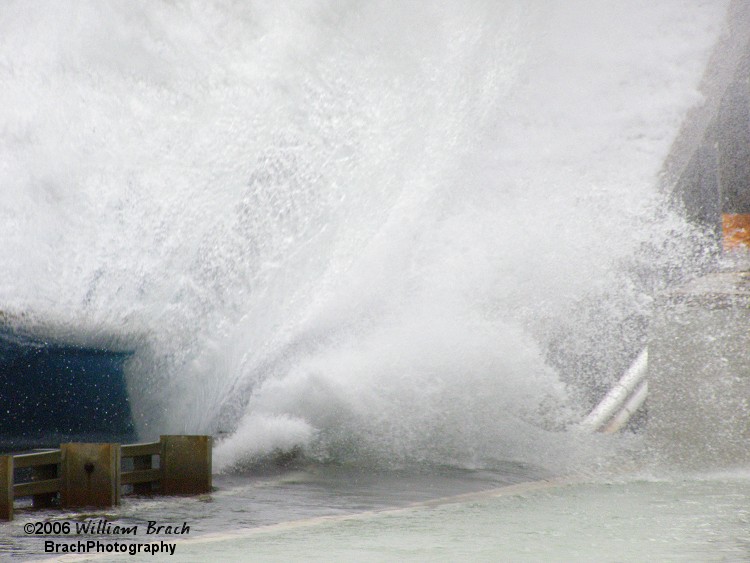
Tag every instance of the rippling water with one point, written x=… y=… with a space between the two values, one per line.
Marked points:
x=328 y=514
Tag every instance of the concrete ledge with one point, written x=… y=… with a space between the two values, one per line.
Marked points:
x=699 y=375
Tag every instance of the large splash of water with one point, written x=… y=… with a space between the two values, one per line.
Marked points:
x=370 y=230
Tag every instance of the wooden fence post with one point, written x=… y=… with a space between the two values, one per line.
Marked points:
x=6 y=487
x=90 y=475
x=185 y=465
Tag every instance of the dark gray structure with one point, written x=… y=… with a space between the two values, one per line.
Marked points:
x=708 y=168
x=699 y=366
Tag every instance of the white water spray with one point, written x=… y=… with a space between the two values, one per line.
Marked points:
x=369 y=230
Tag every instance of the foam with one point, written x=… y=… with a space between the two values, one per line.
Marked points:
x=393 y=232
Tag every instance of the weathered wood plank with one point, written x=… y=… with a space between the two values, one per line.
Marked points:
x=140 y=476
x=36 y=459
x=36 y=488
x=6 y=487
x=135 y=450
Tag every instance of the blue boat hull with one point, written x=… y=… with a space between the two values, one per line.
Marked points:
x=53 y=392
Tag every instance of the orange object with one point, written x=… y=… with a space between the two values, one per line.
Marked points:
x=736 y=230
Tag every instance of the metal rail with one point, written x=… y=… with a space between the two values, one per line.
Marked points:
x=622 y=401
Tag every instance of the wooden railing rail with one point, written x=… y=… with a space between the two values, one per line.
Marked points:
x=143 y=476
x=78 y=475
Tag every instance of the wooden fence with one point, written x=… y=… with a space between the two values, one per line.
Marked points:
x=91 y=475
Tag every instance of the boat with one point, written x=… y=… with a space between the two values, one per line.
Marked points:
x=54 y=389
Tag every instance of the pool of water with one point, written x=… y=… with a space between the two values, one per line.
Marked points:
x=336 y=514
x=270 y=497
x=692 y=520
